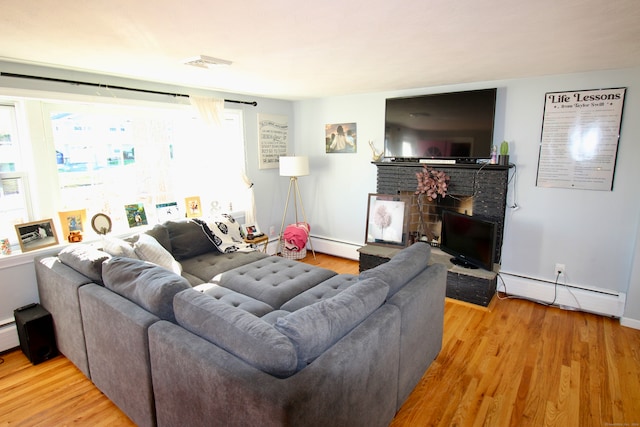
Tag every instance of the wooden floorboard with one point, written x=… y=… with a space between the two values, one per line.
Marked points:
x=516 y=363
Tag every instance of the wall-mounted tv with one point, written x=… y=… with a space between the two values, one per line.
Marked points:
x=471 y=241
x=455 y=125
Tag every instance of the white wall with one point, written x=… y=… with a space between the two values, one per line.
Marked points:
x=591 y=232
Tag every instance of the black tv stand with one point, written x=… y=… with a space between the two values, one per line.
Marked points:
x=462 y=263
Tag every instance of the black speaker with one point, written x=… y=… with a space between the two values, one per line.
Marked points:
x=35 y=331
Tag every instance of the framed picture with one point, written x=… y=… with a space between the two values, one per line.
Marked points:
x=341 y=138
x=193 y=206
x=250 y=229
x=136 y=215
x=167 y=211
x=72 y=221
x=36 y=235
x=388 y=220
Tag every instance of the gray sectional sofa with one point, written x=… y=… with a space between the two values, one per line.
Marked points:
x=209 y=338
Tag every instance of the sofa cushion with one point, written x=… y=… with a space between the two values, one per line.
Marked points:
x=243 y=302
x=187 y=239
x=84 y=259
x=149 y=249
x=224 y=232
x=238 y=332
x=327 y=289
x=207 y=266
x=148 y=285
x=402 y=267
x=273 y=279
x=315 y=328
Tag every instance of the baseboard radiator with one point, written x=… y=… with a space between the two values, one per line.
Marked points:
x=8 y=335
x=570 y=297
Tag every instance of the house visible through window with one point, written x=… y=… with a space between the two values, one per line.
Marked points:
x=108 y=159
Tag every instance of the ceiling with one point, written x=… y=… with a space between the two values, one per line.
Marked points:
x=292 y=49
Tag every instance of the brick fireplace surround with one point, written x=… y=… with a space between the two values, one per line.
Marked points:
x=476 y=189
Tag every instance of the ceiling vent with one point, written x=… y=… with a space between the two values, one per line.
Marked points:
x=203 y=61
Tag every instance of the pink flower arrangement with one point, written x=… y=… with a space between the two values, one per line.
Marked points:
x=432 y=183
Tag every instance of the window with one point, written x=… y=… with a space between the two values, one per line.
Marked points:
x=14 y=201
x=110 y=157
x=102 y=157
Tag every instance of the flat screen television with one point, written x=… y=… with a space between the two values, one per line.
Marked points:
x=471 y=241
x=455 y=125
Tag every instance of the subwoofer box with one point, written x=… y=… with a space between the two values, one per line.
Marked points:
x=35 y=331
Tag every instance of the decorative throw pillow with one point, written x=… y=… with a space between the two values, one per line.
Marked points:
x=224 y=232
x=149 y=249
x=118 y=247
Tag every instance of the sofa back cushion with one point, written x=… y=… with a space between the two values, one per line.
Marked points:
x=402 y=267
x=187 y=239
x=316 y=327
x=246 y=336
x=146 y=284
x=84 y=259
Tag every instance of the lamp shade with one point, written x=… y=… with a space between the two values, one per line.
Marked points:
x=294 y=165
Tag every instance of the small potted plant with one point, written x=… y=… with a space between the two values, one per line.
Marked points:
x=503 y=158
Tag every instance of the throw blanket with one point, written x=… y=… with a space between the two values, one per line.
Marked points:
x=296 y=235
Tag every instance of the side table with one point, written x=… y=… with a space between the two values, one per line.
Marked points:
x=258 y=241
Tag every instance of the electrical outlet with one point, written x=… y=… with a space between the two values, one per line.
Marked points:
x=559 y=269
x=272 y=231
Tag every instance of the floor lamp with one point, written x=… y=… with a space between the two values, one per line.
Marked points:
x=293 y=167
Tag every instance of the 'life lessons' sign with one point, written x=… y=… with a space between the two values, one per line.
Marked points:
x=579 y=142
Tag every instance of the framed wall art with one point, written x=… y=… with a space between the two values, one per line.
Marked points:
x=136 y=215
x=388 y=220
x=273 y=136
x=193 y=206
x=72 y=221
x=36 y=235
x=341 y=138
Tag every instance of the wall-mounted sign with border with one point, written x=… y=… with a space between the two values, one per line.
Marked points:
x=579 y=142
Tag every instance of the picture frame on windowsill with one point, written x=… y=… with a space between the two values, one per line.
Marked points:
x=36 y=235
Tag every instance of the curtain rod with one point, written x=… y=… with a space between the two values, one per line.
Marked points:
x=77 y=83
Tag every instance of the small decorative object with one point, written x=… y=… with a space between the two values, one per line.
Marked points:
x=251 y=231
x=503 y=158
x=6 y=246
x=101 y=224
x=376 y=156
x=388 y=220
x=72 y=221
x=136 y=216
x=432 y=184
x=37 y=235
x=494 y=155
x=194 y=207
x=74 y=236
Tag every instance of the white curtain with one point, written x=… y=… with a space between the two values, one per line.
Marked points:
x=211 y=111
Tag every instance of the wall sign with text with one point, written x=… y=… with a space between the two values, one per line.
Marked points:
x=579 y=142
x=272 y=139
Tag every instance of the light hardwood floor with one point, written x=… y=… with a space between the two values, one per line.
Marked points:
x=515 y=364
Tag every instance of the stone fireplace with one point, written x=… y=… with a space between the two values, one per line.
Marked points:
x=474 y=189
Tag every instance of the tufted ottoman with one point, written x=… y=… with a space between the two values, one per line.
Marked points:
x=273 y=280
